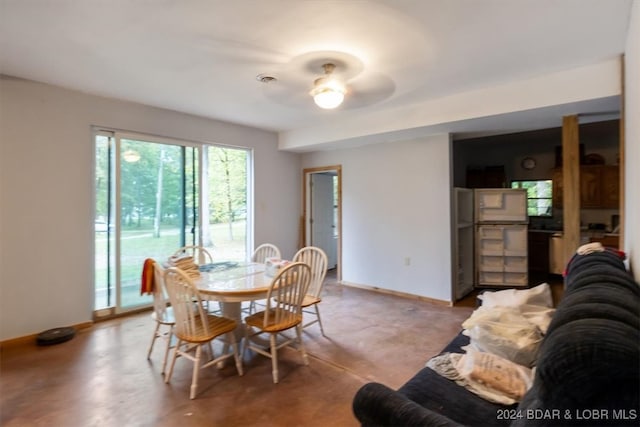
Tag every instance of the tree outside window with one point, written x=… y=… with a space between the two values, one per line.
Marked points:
x=539 y=196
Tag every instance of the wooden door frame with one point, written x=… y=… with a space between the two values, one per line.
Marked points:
x=306 y=172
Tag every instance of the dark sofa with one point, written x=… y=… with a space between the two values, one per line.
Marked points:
x=587 y=371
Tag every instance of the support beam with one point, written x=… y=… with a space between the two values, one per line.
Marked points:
x=571 y=184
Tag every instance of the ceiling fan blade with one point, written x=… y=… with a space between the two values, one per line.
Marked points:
x=367 y=89
x=242 y=51
x=309 y=66
x=292 y=94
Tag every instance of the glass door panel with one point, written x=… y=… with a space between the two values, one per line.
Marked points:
x=225 y=189
x=157 y=199
x=104 y=224
x=153 y=197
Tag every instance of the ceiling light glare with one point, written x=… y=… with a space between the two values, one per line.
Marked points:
x=131 y=156
x=328 y=93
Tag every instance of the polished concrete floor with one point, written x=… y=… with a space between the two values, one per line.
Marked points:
x=103 y=378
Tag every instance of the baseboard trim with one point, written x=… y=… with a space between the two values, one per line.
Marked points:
x=397 y=293
x=31 y=339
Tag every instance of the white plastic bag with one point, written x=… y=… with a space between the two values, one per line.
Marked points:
x=493 y=377
x=538 y=295
x=538 y=315
x=504 y=331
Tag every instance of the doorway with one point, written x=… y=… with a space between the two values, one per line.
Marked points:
x=322 y=213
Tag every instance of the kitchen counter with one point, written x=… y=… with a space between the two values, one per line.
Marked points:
x=546 y=246
x=583 y=234
x=584 y=231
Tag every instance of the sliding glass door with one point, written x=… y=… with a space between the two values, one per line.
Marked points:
x=153 y=197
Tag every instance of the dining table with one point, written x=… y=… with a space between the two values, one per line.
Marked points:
x=231 y=284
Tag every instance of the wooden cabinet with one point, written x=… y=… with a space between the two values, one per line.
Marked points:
x=608 y=241
x=599 y=187
x=610 y=196
x=557 y=260
x=590 y=186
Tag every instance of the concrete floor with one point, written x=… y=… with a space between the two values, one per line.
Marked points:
x=102 y=377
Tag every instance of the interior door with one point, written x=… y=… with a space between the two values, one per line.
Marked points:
x=323 y=227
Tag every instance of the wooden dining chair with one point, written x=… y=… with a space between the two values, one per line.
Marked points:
x=283 y=311
x=195 y=327
x=316 y=258
x=264 y=251
x=200 y=254
x=162 y=315
x=260 y=254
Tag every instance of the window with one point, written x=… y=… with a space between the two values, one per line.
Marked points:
x=154 y=196
x=539 y=201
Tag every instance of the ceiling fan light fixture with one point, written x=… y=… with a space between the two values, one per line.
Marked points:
x=328 y=92
x=328 y=97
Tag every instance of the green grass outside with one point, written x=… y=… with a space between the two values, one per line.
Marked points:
x=139 y=244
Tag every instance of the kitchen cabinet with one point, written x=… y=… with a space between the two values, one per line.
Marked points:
x=610 y=196
x=610 y=241
x=556 y=254
x=599 y=187
x=590 y=186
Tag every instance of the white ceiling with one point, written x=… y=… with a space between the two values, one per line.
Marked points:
x=202 y=56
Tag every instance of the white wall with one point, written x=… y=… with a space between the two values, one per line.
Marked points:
x=46 y=194
x=395 y=205
x=632 y=141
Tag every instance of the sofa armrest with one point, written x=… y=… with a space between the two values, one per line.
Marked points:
x=377 y=405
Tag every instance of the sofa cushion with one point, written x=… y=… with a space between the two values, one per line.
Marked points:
x=445 y=397
x=596 y=274
x=377 y=405
x=590 y=363
x=607 y=261
x=599 y=302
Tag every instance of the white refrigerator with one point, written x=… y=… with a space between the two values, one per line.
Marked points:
x=501 y=227
x=489 y=239
x=463 y=232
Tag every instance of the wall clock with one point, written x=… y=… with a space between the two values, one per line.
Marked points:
x=528 y=163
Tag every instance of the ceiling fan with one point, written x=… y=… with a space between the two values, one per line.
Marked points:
x=328 y=91
x=331 y=79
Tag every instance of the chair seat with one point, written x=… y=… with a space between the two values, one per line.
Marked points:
x=216 y=325
x=167 y=317
x=310 y=300
x=257 y=320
